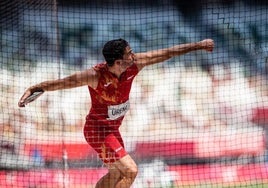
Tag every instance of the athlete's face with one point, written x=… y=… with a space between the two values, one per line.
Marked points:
x=128 y=59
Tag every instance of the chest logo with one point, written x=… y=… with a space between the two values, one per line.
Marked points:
x=130 y=77
x=107 y=84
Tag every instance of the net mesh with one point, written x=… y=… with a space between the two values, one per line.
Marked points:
x=196 y=120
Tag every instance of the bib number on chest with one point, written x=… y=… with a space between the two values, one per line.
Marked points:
x=117 y=111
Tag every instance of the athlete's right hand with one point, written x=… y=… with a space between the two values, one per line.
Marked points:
x=26 y=94
x=30 y=95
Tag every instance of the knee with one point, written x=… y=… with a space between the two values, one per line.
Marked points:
x=115 y=174
x=132 y=172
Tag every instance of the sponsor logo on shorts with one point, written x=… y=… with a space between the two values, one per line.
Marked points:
x=118 y=149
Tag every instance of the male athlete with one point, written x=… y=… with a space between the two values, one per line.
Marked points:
x=109 y=84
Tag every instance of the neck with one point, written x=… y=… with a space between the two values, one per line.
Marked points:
x=113 y=69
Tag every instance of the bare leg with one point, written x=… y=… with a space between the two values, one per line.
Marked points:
x=110 y=179
x=121 y=174
x=129 y=171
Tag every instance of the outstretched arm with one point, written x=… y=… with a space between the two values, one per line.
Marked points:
x=157 y=56
x=87 y=77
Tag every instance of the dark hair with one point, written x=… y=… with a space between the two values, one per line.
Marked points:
x=114 y=50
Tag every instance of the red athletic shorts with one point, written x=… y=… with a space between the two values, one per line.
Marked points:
x=106 y=141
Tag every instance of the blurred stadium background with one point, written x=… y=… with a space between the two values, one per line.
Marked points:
x=199 y=120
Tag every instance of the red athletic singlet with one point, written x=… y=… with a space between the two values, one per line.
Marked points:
x=110 y=102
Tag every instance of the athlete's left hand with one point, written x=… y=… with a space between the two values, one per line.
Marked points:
x=207 y=44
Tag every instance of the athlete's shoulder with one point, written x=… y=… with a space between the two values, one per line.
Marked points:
x=90 y=77
x=133 y=68
x=100 y=67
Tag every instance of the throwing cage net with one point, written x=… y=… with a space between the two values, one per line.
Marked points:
x=197 y=120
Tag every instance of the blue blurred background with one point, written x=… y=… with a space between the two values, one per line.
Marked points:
x=238 y=28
